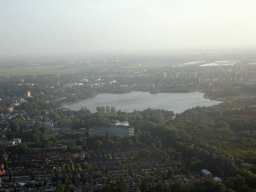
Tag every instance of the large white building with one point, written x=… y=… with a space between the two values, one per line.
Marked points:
x=114 y=129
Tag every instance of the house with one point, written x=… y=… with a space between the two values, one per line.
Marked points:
x=206 y=173
x=15 y=141
x=43 y=177
x=28 y=94
x=10 y=143
x=20 y=178
x=217 y=179
x=48 y=125
x=10 y=109
x=47 y=188
x=2 y=172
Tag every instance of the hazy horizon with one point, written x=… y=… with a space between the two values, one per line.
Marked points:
x=31 y=28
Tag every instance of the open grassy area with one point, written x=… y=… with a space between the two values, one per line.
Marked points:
x=59 y=69
x=40 y=70
x=148 y=65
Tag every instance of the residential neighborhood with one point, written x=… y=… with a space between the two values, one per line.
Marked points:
x=45 y=145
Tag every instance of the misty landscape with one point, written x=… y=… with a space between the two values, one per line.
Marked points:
x=127 y=96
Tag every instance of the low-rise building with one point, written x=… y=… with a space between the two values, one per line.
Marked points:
x=16 y=141
x=206 y=173
x=48 y=125
x=217 y=179
x=114 y=129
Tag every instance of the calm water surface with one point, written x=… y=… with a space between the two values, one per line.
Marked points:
x=128 y=102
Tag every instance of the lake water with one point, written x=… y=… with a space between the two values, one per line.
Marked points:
x=128 y=102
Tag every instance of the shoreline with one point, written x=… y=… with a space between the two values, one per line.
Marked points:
x=174 y=102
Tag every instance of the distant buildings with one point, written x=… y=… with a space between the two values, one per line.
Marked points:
x=48 y=125
x=114 y=129
x=12 y=142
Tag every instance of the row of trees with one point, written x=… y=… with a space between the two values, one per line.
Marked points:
x=106 y=109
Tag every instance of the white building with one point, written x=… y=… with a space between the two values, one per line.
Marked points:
x=206 y=173
x=15 y=141
x=217 y=179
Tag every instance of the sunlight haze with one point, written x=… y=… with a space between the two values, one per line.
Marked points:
x=94 y=26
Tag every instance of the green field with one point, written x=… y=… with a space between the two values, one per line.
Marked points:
x=148 y=65
x=39 y=70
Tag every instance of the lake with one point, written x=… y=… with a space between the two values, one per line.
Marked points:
x=128 y=102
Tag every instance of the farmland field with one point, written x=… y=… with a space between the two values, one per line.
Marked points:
x=40 y=70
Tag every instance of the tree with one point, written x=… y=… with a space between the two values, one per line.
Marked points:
x=129 y=142
x=96 y=168
x=107 y=135
x=220 y=187
x=178 y=186
x=98 y=143
x=102 y=109
x=6 y=111
x=46 y=182
x=170 y=173
x=145 y=153
x=59 y=188
x=108 y=109
x=113 y=109
x=14 y=127
x=38 y=124
x=146 y=173
x=22 y=147
x=162 y=187
x=137 y=189
x=98 y=109
x=64 y=179
x=123 y=186
x=118 y=163
x=84 y=145
x=143 y=187
x=98 y=175
x=138 y=181
x=9 y=132
x=229 y=190
x=72 y=166
x=165 y=174
x=122 y=118
x=44 y=130
x=10 y=175
x=105 y=156
x=86 y=133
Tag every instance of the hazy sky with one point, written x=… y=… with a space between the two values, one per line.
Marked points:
x=80 y=26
